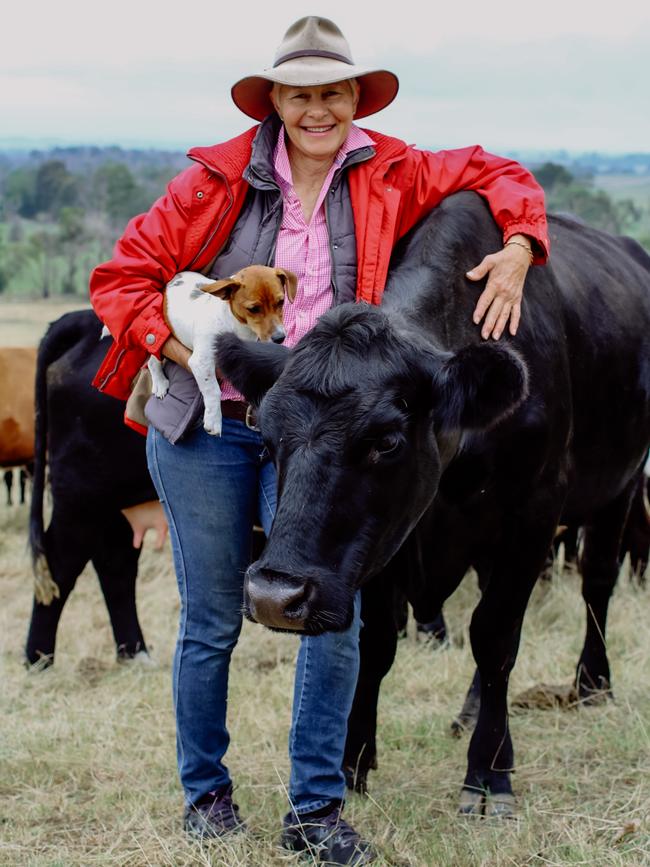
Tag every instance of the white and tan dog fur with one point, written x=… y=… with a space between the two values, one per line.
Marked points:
x=197 y=309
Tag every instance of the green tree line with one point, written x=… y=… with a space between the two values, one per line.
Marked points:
x=56 y=224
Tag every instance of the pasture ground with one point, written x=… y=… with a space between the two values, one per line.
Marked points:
x=87 y=764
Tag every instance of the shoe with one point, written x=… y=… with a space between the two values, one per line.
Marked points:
x=214 y=815
x=328 y=839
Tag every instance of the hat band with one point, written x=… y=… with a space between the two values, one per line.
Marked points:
x=313 y=53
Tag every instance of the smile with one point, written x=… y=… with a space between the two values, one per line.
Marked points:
x=318 y=129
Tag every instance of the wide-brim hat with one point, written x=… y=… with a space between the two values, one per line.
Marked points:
x=312 y=52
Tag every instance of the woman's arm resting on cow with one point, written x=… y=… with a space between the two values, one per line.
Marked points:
x=500 y=301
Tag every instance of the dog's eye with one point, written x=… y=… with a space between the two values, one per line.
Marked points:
x=255 y=309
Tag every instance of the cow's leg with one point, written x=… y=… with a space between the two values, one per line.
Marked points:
x=9 y=481
x=600 y=564
x=468 y=716
x=494 y=632
x=435 y=631
x=377 y=645
x=22 y=481
x=116 y=563
x=67 y=547
x=636 y=535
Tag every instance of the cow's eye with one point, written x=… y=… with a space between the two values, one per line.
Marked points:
x=384 y=446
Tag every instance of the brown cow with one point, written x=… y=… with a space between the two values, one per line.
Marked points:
x=17 y=375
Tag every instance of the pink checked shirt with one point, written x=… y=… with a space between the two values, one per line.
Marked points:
x=304 y=247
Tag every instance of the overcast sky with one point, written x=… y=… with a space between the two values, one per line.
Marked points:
x=556 y=74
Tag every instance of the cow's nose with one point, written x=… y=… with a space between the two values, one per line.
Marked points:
x=278 y=602
x=278 y=335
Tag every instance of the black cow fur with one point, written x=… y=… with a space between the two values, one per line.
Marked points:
x=397 y=427
x=96 y=467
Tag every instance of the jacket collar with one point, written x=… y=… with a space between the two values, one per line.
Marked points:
x=250 y=155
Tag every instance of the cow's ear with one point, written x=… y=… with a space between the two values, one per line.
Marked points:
x=479 y=386
x=251 y=367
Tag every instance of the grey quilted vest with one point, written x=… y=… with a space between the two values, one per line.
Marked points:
x=252 y=241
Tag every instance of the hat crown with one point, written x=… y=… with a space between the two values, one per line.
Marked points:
x=313 y=36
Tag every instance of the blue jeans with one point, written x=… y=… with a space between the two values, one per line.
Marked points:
x=213 y=490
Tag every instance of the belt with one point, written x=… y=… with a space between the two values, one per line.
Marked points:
x=240 y=411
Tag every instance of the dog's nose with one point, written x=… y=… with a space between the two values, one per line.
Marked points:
x=278 y=335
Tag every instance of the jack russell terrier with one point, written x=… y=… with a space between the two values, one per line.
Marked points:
x=197 y=309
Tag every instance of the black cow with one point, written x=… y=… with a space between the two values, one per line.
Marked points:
x=24 y=473
x=97 y=466
x=399 y=425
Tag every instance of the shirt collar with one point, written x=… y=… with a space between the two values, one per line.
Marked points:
x=355 y=140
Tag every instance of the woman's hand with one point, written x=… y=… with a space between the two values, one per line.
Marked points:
x=500 y=301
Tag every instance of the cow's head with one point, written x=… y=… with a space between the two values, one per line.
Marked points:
x=358 y=418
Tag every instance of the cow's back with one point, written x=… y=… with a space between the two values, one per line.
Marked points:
x=583 y=333
x=94 y=460
x=604 y=288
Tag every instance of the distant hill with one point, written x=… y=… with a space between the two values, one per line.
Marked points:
x=85 y=159
x=591 y=164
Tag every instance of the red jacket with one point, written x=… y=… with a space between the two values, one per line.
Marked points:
x=187 y=227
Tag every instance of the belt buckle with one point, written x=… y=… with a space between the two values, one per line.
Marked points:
x=249 y=418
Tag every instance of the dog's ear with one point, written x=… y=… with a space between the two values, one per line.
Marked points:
x=289 y=281
x=223 y=289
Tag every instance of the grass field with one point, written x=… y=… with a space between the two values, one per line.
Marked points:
x=23 y=323
x=87 y=768
x=87 y=764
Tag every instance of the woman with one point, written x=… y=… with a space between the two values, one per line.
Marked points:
x=307 y=190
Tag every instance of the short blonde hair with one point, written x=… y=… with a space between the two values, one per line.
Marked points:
x=355 y=88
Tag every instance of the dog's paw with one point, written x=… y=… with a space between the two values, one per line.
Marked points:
x=212 y=424
x=160 y=389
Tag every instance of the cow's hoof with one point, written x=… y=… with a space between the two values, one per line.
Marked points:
x=356 y=781
x=141 y=659
x=471 y=802
x=44 y=662
x=595 y=697
x=463 y=724
x=458 y=728
x=500 y=806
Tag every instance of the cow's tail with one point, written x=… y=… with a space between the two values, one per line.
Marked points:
x=60 y=336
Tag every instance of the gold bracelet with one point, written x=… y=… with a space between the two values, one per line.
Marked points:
x=523 y=247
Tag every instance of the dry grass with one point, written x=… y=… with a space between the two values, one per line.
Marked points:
x=87 y=767
x=23 y=323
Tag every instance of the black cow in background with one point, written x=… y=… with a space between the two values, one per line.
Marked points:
x=24 y=474
x=97 y=467
x=413 y=430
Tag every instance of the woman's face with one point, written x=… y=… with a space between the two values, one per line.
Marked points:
x=317 y=119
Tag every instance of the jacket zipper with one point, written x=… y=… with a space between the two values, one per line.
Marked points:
x=113 y=371
x=329 y=241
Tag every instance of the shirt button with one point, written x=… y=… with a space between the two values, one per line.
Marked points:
x=150 y=339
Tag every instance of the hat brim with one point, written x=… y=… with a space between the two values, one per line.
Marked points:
x=252 y=94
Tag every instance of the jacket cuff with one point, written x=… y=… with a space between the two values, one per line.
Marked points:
x=149 y=331
x=538 y=236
